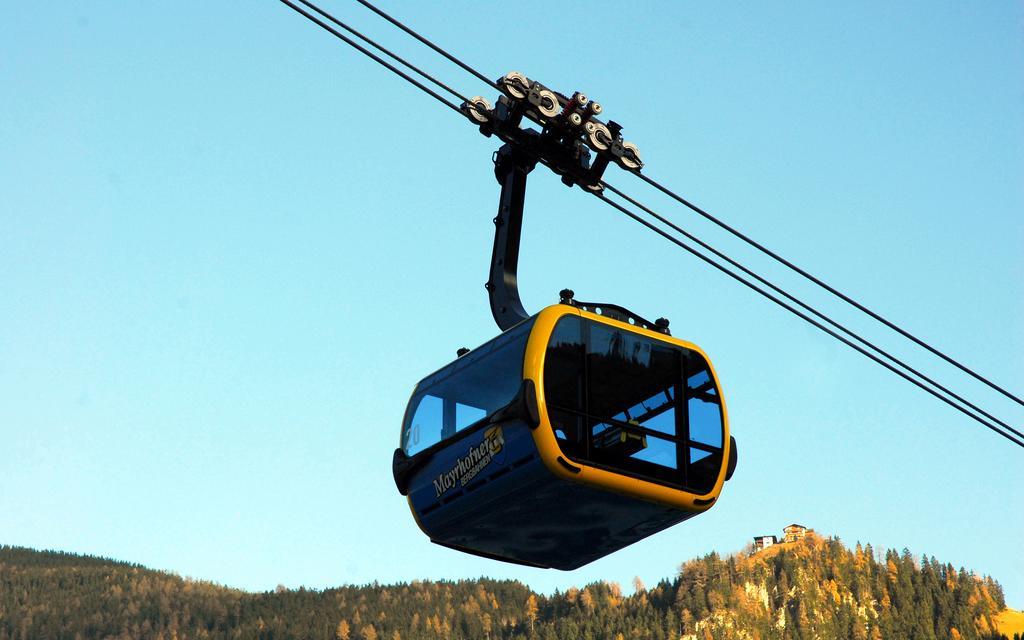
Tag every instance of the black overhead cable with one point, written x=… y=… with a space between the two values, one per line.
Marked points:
x=805 y=317
x=471 y=70
x=371 y=55
x=675 y=240
x=423 y=74
x=750 y=241
x=826 y=286
x=806 y=307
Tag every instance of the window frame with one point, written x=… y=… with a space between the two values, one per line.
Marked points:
x=678 y=478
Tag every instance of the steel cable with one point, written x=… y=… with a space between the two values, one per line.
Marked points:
x=370 y=54
x=826 y=286
x=808 y=308
x=450 y=57
x=423 y=74
x=805 y=317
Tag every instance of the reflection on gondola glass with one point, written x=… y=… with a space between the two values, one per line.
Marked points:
x=625 y=387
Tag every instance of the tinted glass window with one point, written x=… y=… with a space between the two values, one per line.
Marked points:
x=703 y=469
x=658 y=412
x=466 y=415
x=563 y=365
x=633 y=404
x=658 y=451
x=703 y=405
x=428 y=413
x=568 y=428
x=625 y=369
x=466 y=391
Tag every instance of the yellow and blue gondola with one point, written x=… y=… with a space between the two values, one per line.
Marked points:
x=569 y=436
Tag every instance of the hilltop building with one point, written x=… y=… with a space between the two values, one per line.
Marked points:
x=763 y=542
x=795 y=532
x=791 y=533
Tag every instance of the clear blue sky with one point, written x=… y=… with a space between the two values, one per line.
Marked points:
x=230 y=246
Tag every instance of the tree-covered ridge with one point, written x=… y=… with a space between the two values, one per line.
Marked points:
x=816 y=588
x=820 y=589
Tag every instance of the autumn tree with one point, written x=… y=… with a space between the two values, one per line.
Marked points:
x=342 y=632
x=638 y=585
x=531 y=611
x=587 y=600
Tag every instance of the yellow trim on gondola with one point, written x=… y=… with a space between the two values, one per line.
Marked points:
x=547 y=445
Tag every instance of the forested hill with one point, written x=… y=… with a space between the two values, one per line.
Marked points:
x=816 y=588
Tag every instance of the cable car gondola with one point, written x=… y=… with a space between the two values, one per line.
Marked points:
x=578 y=430
x=569 y=436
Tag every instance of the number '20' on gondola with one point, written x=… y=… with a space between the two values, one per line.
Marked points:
x=565 y=438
